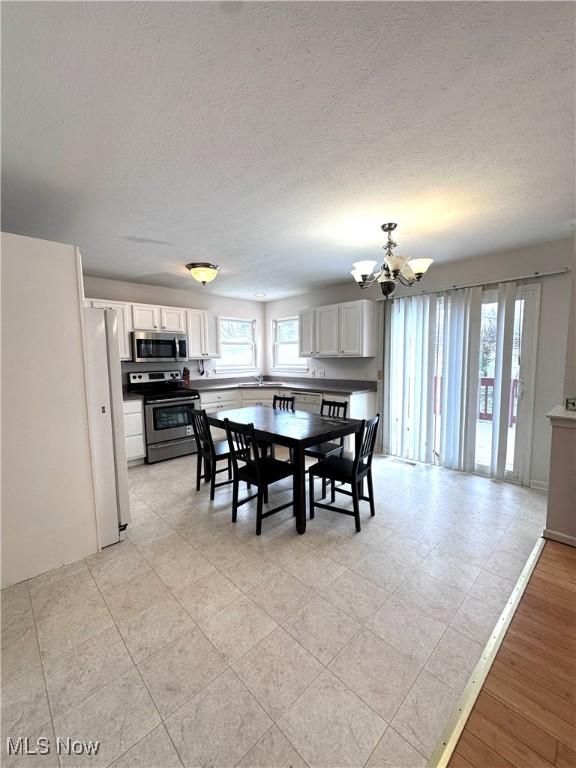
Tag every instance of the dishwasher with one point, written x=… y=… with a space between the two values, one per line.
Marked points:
x=307 y=401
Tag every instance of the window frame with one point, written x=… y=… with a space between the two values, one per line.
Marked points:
x=223 y=367
x=299 y=367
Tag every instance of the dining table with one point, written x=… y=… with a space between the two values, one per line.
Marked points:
x=296 y=430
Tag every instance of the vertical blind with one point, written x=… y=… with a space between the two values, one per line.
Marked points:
x=431 y=406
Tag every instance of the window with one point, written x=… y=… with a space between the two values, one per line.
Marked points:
x=286 y=347
x=238 y=340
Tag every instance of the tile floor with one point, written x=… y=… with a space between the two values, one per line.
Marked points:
x=196 y=643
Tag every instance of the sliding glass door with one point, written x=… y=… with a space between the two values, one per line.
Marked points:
x=505 y=407
x=460 y=379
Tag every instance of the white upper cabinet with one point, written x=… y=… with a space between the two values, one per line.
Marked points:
x=338 y=330
x=145 y=317
x=327 y=331
x=195 y=334
x=211 y=334
x=173 y=319
x=306 y=331
x=203 y=334
x=351 y=328
x=124 y=324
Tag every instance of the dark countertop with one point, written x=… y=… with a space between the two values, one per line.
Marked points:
x=326 y=386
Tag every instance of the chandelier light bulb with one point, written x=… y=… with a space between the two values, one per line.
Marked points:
x=420 y=266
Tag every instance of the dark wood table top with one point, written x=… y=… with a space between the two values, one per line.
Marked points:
x=298 y=428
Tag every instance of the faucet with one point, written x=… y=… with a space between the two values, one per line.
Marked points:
x=260 y=380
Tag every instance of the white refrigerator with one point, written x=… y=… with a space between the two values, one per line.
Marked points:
x=106 y=423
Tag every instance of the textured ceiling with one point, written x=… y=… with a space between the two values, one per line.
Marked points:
x=275 y=138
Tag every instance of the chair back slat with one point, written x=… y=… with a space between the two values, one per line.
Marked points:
x=336 y=409
x=242 y=444
x=283 y=402
x=202 y=432
x=368 y=433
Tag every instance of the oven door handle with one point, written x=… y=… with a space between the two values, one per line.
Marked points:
x=173 y=401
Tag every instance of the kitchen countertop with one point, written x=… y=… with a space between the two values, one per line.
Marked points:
x=328 y=386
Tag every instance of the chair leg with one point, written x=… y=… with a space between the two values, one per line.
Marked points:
x=235 y=500
x=325 y=482
x=356 y=505
x=333 y=492
x=311 y=494
x=265 y=494
x=371 y=494
x=206 y=471
x=212 y=479
x=198 y=470
x=259 y=504
x=229 y=468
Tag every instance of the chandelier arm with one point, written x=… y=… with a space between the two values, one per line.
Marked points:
x=403 y=281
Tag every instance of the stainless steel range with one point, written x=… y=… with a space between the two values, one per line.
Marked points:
x=167 y=413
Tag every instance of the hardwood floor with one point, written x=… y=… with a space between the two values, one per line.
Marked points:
x=525 y=715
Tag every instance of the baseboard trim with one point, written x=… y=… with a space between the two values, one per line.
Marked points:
x=443 y=752
x=563 y=538
x=538 y=485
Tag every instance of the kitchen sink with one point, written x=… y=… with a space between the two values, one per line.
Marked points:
x=247 y=385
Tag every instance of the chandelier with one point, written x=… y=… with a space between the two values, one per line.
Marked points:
x=395 y=269
x=202 y=271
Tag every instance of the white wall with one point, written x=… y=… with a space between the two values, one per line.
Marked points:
x=117 y=290
x=48 y=513
x=570 y=374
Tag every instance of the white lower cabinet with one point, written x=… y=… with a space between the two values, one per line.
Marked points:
x=361 y=405
x=134 y=430
x=222 y=400
x=263 y=396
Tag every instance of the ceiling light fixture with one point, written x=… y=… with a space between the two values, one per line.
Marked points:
x=202 y=271
x=395 y=269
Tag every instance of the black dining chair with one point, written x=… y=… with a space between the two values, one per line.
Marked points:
x=210 y=452
x=250 y=466
x=351 y=472
x=280 y=403
x=336 y=409
x=283 y=402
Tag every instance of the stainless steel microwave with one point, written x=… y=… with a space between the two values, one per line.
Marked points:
x=153 y=347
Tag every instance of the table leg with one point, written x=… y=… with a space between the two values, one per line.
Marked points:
x=299 y=491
